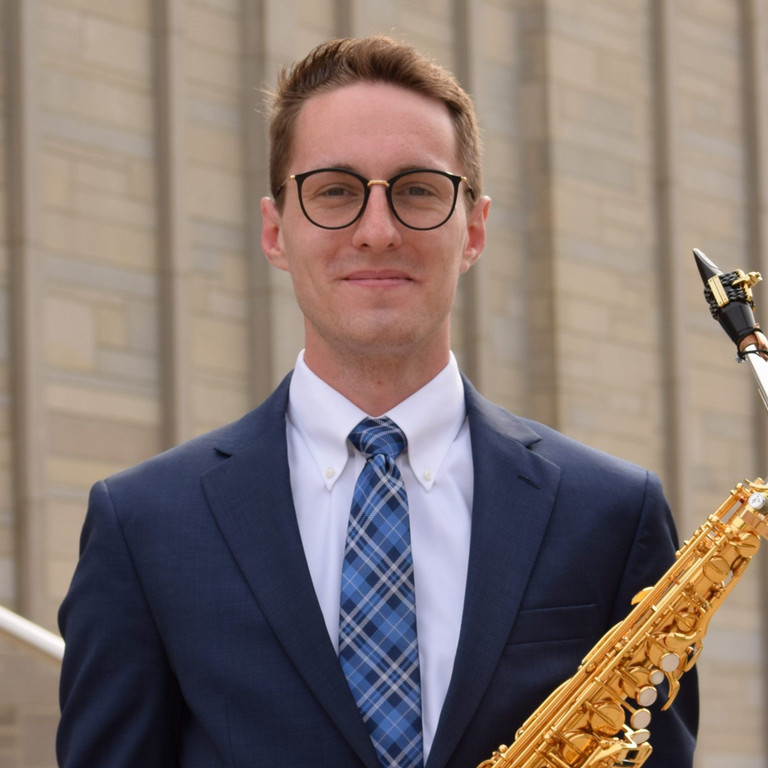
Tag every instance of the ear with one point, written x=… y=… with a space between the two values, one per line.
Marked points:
x=475 y=243
x=271 y=234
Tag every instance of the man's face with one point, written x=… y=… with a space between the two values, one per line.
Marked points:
x=375 y=287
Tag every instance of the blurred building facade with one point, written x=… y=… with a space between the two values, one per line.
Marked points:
x=137 y=310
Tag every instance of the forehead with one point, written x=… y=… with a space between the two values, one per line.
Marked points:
x=375 y=128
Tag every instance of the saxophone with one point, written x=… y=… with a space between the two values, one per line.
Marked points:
x=599 y=718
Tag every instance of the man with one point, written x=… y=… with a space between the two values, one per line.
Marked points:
x=215 y=616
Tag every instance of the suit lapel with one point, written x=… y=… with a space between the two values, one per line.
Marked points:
x=250 y=495
x=513 y=497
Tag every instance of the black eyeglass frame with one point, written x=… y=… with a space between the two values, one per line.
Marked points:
x=386 y=183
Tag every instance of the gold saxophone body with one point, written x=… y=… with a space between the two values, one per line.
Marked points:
x=599 y=718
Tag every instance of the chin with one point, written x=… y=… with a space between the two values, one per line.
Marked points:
x=388 y=341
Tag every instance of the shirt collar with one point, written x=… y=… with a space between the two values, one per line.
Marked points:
x=430 y=418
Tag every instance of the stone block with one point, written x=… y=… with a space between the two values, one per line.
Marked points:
x=58 y=186
x=217 y=402
x=87 y=135
x=609 y=172
x=96 y=100
x=137 y=13
x=61 y=31
x=111 y=281
x=91 y=438
x=142 y=179
x=58 y=571
x=64 y=521
x=77 y=475
x=100 y=174
x=220 y=345
x=215 y=195
x=90 y=401
x=111 y=326
x=70 y=335
x=213 y=71
x=575 y=210
x=214 y=146
x=117 y=49
x=212 y=28
x=573 y=63
x=496 y=26
x=28 y=706
x=608 y=113
x=38 y=738
x=100 y=240
x=597 y=24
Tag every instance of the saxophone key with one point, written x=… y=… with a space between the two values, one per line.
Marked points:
x=640 y=719
x=669 y=662
x=687 y=618
x=606 y=718
x=662 y=658
x=577 y=746
x=717 y=569
x=636 y=683
x=747 y=544
x=641 y=595
x=679 y=642
x=646 y=696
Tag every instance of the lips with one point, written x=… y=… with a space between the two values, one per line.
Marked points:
x=380 y=277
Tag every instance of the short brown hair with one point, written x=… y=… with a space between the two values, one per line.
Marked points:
x=337 y=63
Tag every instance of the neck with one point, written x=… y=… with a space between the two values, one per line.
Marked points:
x=376 y=383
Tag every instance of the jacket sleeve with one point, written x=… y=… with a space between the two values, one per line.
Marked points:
x=673 y=731
x=120 y=702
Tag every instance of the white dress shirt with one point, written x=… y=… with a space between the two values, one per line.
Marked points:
x=438 y=475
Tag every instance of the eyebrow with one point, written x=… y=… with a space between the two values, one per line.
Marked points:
x=400 y=169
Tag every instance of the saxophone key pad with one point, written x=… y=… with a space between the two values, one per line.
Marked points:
x=640 y=719
x=669 y=662
x=646 y=696
x=641 y=736
x=657 y=677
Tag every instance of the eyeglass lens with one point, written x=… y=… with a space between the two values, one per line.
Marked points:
x=421 y=199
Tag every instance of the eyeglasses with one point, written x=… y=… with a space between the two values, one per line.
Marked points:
x=334 y=198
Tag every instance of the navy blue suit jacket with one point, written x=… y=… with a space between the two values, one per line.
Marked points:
x=194 y=637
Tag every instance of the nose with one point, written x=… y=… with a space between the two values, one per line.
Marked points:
x=377 y=228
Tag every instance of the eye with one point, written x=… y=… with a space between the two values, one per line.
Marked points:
x=335 y=191
x=423 y=188
x=332 y=188
x=339 y=189
x=417 y=189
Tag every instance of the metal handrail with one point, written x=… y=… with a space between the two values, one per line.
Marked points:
x=32 y=634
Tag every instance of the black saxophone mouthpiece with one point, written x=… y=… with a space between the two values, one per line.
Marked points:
x=729 y=295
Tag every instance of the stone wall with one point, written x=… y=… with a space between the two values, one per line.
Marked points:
x=136 y=309
x=29 y=711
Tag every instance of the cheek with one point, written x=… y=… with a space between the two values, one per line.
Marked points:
x=308 y=269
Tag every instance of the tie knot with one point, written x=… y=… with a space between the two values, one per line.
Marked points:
x=373 y=437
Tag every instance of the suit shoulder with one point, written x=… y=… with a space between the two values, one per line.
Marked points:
x=577 y=461
x=560 y=447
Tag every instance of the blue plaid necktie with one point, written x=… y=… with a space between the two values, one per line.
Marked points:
x=378 y=649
